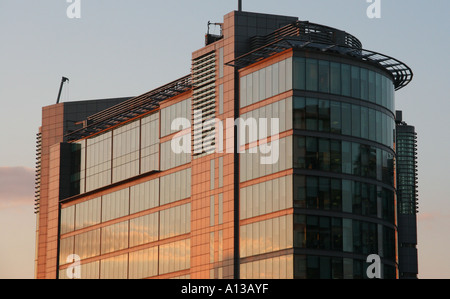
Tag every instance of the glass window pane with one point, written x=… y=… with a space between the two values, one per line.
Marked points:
x=262 y=84
x=269 y=91
x=372 y=125
x=379 y=127
x=324 y=76
x=364 y=84
x=356 y=82
x=346 y=80
x=282 y=76
x=324 y=116
x=256 y=97
x=356 y=121
x=335 y=156
x=299 y=113
x=346 y=157
x=324 y=154
x=289 y=71
x=378 y=89
x=356 y=159
x=346 y=119
x=335 y=117
x=275 y=78
x=299 y=73
x=335 y=78
x=312 y=111
x=312 y=75
x=384 y=90
x=364 y=122
x=372 y=87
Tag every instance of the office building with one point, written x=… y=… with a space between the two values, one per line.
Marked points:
x=165 y=186
x=407 y=197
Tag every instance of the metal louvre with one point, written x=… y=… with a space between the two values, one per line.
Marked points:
x=37 y=192
x=401 y=73
x=131 y=108
x=204 y=102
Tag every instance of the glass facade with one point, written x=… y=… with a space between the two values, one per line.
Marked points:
x=342 y=189
x=129 y=150
x=312 y=114
x=266 y=83
x=92 y=229
x=323 y=202
x=343 y=80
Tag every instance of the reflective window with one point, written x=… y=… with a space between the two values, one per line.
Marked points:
x=169 y=114
x=115 y=205
x=266 y=83
x=114 y=237
x=277 y=157
x=67 y=220
x=144 y=196
x=312 y=74
x=267 y=197
x=150 y=143
x=175 y=221
x=181 y=179
x=114 y=267
x=98 y=161
x=335 y=78
x=167 y=252
x=88 y=213
x=88 y=244
x=66 y=249
x=144 y=229
x=266 y=236
x=324 y=76
x=342 y=118
x=126 y=151
x=280 y=267
x=343 y=79
x=143 y=263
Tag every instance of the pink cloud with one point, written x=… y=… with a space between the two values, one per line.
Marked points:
x=16 y=186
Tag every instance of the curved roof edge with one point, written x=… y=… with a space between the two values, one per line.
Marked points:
x=401 y=73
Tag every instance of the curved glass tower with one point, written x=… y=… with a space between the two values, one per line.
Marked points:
x=340 y=133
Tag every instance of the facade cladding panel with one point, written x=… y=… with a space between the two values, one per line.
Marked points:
x=309 y=192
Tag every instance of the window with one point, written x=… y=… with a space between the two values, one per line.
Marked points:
x=299 y=73
x=312 y=111
x=324 y=116
x=356 y=85
x=364 y=84
x=311 y=75
x=335 y=78
x=335 y=117
x=365 y=122
x=346 y=157
x=299 y=113
x=356 y=121
x=324 y=76
x=372 y=87
x=346 y=80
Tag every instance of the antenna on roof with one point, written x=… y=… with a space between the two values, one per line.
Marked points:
x=63 y=80
x=240 y=5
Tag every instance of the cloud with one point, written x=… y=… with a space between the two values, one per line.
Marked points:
x=16 y=187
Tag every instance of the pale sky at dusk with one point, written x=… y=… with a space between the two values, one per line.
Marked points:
x=126 y=48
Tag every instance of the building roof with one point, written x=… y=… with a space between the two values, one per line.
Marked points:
x=130 y=109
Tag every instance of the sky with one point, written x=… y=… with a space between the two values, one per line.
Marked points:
x=126 y=48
